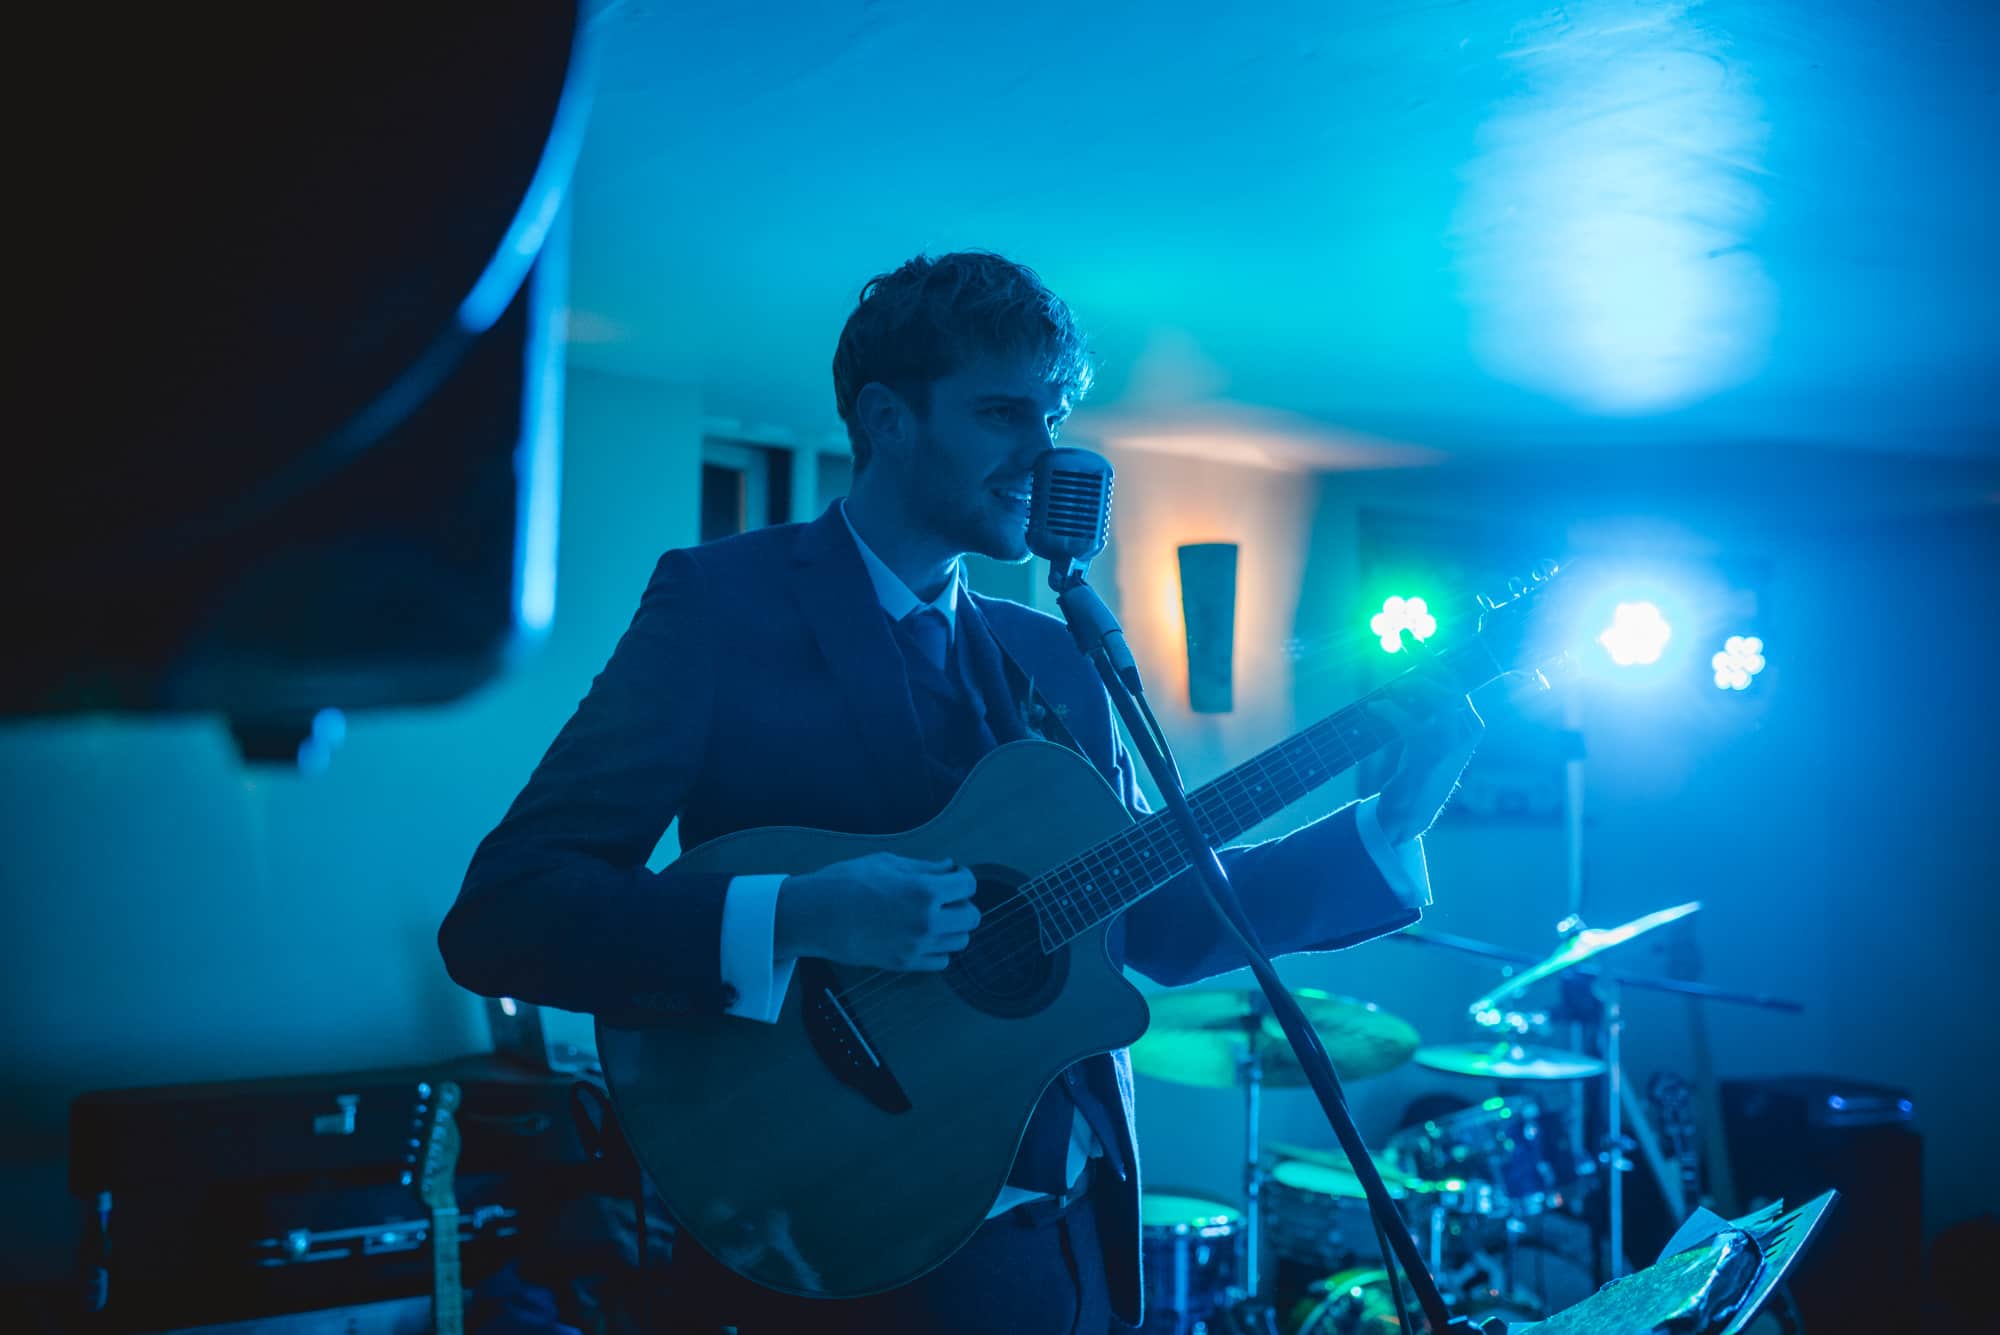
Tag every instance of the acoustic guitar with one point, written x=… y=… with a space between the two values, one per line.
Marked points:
x=859 y=1141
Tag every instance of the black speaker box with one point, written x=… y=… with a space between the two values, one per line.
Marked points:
x=1794 y=1137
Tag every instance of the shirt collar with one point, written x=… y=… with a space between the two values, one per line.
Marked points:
x=894 y=595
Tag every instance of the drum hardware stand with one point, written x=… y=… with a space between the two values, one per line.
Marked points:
x=1099 y=636
x=1585 y=1007
x=1253 y=1160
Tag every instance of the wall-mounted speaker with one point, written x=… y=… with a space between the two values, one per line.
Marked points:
x=1208 y=607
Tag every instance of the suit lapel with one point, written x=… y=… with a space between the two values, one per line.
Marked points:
x=1038 y=688
x=999 y=686
x=838 y=603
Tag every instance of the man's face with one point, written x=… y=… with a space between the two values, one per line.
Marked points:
x=974 y=460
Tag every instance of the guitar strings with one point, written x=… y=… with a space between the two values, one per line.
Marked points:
x=1341 y=730
x=1314 y=737
x=1326 y=766
x=1146 y=833
x=883 y=983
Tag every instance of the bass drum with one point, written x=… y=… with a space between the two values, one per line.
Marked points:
x=1358 y=1301
x=1189 y=1246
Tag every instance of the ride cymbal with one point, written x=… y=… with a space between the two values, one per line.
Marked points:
x=1204 y=1037
x=1509 y=1061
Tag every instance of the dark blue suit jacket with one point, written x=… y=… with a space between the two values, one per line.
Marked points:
x=760 y=684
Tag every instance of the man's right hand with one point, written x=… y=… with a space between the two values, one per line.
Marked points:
x=881 y=911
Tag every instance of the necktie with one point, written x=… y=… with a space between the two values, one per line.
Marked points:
x=929 y=633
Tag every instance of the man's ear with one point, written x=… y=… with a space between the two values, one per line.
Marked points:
x=887 y=419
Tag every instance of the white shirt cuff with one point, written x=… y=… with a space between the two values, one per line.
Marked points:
x=749 y=960
x=1401 y=865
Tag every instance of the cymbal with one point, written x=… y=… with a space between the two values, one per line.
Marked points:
x=1202 y=1037
x=1580 y=947
x=1328 y=1172
x=1509 y=1061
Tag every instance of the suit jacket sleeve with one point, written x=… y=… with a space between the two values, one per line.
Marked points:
x=1316 y=888
x=558 y=907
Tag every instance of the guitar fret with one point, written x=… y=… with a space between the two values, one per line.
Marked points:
x=1122 y=870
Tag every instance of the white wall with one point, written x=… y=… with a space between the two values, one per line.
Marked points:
x=173 y=916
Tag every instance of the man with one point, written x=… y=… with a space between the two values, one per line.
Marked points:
x=838 y=675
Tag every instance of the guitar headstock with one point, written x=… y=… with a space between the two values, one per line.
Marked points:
x=434 y=1145
x=1513 y=626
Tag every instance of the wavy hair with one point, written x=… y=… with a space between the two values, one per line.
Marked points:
x=930 y=318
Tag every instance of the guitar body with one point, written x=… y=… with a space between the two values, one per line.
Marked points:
x=859 y=1141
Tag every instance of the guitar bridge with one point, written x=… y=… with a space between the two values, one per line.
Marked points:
x=838 y=1038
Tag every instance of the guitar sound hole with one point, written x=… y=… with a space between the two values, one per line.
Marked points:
x=1002 y=970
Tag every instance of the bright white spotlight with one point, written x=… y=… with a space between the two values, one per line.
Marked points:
x=1399 y=614
x=1637 y=634
x=1742 y=658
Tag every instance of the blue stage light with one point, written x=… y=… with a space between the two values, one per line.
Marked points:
x=1399 y=614
x=1638 y=633
x=1742 y=658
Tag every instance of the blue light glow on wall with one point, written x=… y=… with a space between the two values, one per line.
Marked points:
x=1606 y=225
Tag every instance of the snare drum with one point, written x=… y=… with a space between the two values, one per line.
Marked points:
x=1317 y=1215
x=1189 y=1246
x=1514 y=1161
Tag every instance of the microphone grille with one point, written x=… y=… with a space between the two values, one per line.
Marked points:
x=1078 y=504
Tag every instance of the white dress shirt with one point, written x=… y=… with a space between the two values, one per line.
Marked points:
x=750 y=904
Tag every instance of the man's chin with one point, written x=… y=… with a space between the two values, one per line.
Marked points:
x=1007 y=545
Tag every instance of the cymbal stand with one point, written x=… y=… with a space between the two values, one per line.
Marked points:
x=1599 y=1008
x=1615 y=1161
x=1253 y=1161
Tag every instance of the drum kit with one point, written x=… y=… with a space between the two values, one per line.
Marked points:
x=1494 y=1193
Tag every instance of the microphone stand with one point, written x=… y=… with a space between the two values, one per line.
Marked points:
x=1102 y=641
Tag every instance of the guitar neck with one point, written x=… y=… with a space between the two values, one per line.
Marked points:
x=1107 y=879
x=448 y=1291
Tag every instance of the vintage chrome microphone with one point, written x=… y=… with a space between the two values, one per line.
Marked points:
x=1069 y=510
x=1069 y=517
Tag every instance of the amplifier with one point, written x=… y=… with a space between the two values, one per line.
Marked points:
x=246 y=1200
x=1795 y=1136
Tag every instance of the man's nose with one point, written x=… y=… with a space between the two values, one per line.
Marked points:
x=1040 y=443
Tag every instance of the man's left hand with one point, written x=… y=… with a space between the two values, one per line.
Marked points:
x=1438 y=736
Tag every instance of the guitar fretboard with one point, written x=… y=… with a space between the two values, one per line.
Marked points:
x=1110 y=877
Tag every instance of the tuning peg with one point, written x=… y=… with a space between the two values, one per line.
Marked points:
x=1516 y=586
x=1546 y=570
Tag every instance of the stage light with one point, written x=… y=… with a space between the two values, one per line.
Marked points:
x=1399 y=614
x=1637 y=634
x=1742 y=658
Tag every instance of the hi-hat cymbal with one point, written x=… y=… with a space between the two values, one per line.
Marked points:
x=1509 y=1061
x=1580 y=947
x=1310 y=1168
x=1202 y=1037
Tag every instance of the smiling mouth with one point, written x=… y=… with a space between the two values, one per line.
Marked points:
x=1021 y=497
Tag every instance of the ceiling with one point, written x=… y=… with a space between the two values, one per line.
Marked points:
x=1336 y=235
